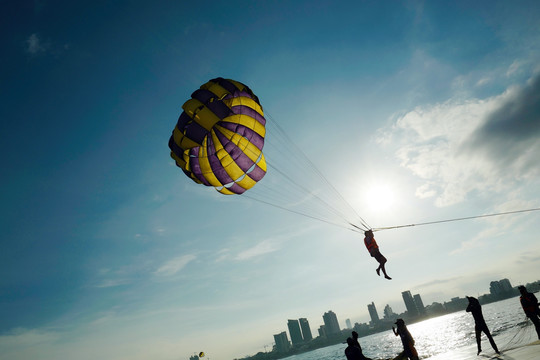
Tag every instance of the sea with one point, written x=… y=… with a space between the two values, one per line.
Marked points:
x=505 y=319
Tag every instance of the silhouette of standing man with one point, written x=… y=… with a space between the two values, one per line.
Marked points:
x=529 y=303
x=357 y=344
x=373 y=249
x=352 y=352
x=480 y=325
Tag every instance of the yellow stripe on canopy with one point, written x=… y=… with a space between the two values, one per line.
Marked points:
x=245 y=101
x=244 y=144
x=248 y=122
x=230 y=166
x=206 y=169
x=217 y=89
x=225 y=191
x=182 y=140
x=201 y=114
x=179 y=162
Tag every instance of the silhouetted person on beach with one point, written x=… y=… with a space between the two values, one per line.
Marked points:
x=529 y=303
x=409 y=351
x=357 y=344
x=373 y=249
x=480 y=325
x=352 y=352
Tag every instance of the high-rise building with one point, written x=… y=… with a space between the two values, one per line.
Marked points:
x=419 y=304
x=322 y=331
x=331 y=323
x=409 y=303
x=388 y=313
x=294 y=331
x=348 y=322
x=373 y=313
x=282 y=342
x=306 y=331
x=499 y=287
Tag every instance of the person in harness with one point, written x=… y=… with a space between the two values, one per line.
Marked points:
x=373 y=249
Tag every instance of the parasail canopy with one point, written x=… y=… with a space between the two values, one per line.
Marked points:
x=219 y=137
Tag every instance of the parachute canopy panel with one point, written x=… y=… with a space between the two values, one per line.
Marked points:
x=219 y=137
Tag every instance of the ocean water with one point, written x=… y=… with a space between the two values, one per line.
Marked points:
x=505 y=320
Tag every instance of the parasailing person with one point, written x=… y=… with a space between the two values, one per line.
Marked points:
x=373 y=249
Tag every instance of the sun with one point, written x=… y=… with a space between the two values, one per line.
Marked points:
x=380 y=197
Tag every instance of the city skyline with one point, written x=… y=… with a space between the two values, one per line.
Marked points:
x=415 y=302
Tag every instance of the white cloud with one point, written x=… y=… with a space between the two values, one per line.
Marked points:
x=459 y=147
x=34 y=44
x=264 y=247
x=112 y=283
x=26 y=337
x=173 y=266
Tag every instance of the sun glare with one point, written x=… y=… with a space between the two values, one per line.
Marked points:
x=380 y=197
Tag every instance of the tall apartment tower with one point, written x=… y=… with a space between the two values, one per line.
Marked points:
x=306 y=331
x=282 y=342
x=373 y=313
x=348 y=323
x=419 y=304
x=500 y=287
x=331 y=324
x=294 y=331
x=388 y=313
x=505 y=284
x=409 y=303
x=322 y=331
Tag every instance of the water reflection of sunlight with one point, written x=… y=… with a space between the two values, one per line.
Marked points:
x=442 y=334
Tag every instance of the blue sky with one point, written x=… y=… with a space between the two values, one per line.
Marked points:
x=415 y=111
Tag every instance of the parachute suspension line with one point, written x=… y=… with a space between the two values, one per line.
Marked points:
x=311 y=194
x=317 y=171
x=298 y=212
x=283 y=195
x=305 y=161
x=524 y=335
x=457 y=219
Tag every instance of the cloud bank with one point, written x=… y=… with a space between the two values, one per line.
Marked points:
x=477 y=145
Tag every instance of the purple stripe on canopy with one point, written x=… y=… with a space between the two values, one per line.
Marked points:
x=246 y=110
x=219 y=108
x=195 y=166
x=196 y=132
x=237 y=154
x=215 y=164
x=177 y=150
x=227 y=85
x=248 y=133
x=183 y=120
x=257 y=173
x=203 y=95
x=244 y=93
x=237 y=189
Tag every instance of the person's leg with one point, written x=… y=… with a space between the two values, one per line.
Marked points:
x=536 y=323
x=490 y=338
x=478 y=333
x=382 y=260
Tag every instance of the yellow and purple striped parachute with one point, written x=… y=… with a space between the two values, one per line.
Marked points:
x=219 y=137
